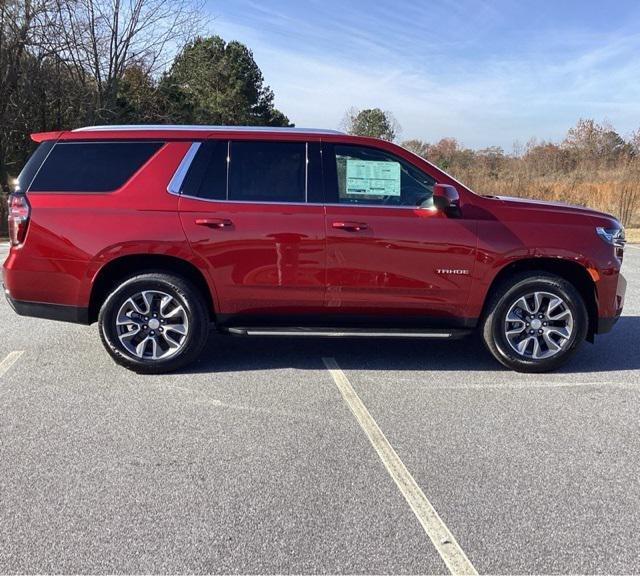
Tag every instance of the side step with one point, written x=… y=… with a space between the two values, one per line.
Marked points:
x=347 y=332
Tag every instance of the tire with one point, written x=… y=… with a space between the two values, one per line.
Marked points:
x=512 y=325
x=149 y=344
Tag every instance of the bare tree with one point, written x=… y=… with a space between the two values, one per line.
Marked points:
x=635 y=142
x=416 y=146
x=22 y=26
x=100 y=39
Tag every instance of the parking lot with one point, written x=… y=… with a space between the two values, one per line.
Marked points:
x=259 y=459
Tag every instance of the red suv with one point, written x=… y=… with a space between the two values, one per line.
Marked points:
x=160 y=232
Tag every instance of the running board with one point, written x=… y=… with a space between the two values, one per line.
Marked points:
x=347 y=333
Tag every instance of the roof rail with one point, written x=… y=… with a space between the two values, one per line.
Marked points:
x=199 y=127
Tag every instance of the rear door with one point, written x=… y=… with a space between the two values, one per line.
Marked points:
x=247 y=207
x=390 y=254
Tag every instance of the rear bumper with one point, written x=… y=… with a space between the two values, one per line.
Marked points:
x=48 y=280
x=49 y=311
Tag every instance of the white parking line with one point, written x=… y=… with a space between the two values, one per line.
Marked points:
x=9 y=361
x=444 y=541
x=479 y=385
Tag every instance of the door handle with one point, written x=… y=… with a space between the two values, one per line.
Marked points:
x=214 y=222
x=350 y=226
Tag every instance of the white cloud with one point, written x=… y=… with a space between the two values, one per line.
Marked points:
x=540 y=89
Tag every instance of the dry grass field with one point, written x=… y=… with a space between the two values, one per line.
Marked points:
x=593 y=166
x=615 y=191
x=633 y=235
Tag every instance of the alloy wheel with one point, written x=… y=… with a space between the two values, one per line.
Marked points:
x=152 y=325
x=538 y=325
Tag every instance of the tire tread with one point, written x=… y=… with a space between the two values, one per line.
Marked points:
x=506 y=291
x=195 y=307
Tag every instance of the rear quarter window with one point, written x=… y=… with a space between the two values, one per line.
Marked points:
x=91 y=166
x=25 y=178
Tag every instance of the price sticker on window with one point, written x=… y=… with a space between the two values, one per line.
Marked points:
x=373 y=178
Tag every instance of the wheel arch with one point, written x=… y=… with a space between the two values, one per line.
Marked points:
x=570 y=270
x=115 y=271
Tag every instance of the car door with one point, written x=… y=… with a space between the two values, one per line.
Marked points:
x=245 y=207
x=390 y=254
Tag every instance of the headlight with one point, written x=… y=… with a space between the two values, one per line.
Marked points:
x=613 y=236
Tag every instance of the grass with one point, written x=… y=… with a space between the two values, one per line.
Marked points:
x=633 y=235
x=613 y=192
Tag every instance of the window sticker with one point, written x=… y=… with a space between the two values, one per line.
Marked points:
x=373 y=178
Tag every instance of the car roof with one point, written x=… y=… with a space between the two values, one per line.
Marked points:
x=186 y=131
x=204 y=128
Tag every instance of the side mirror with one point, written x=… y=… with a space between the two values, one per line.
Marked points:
x=446 y=199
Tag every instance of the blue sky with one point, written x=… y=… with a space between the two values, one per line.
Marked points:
x=486 y=72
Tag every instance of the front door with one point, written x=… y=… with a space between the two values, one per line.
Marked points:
x=390 y=255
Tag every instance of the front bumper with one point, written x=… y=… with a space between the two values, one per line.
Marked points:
x=611 y=302
x=606 y=324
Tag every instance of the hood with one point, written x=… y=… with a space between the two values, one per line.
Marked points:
x=541 y=205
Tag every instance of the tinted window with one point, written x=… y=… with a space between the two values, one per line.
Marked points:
x=267 y=171
x=31 y=167
x=91 y=166
x=371 y=176
x=207 y=176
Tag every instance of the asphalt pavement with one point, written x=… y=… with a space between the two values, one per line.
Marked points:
x=255 y=460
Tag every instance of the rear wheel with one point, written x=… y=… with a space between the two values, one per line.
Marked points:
x=535 y=322
x=154 y=323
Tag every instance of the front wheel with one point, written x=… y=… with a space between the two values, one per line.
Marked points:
x=535 y=322
x=154 y=323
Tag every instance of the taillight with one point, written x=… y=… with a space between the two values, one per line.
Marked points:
x=19 y=213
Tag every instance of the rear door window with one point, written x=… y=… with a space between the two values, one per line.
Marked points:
x=255 y=171
x=262 y=171
x=91 y=166
x=207 y=175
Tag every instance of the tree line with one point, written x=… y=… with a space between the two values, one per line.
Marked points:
x=69 y=63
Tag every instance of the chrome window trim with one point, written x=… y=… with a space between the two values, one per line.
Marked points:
x=306 y=172
x=175 y=184
x=228 y=169
x=430 y=209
